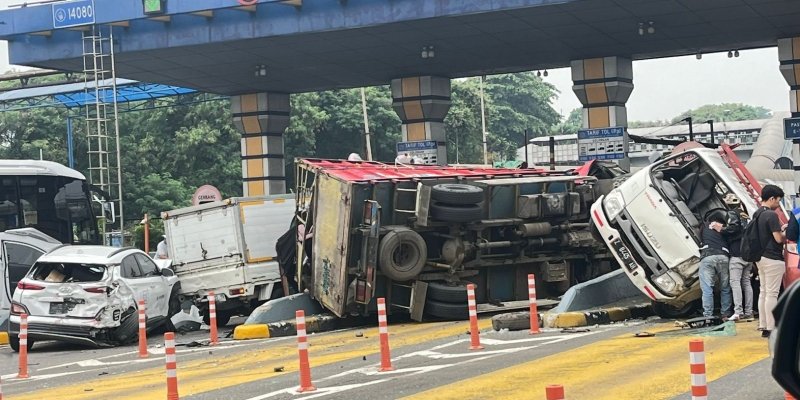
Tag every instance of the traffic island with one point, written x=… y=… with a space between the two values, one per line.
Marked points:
x=601 y=316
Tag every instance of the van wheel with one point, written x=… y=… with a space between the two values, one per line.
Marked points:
x=457 y=194
x=454 y=213
x=222 y=318
x=402 y=254
x=668 y=311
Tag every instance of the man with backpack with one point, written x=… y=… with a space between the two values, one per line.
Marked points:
x=740 y=269
x=762 y=243
x=714 y=257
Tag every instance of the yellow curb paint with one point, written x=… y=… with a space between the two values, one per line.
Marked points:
x=3 y=337
x=619 y=313
x=255 y=331
x=569 y=320
x=621 y=368
x=217 y=372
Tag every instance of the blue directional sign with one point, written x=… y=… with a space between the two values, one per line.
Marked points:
x=601 y=144
x=791 y=128
x=73 y=13
x=416 y=146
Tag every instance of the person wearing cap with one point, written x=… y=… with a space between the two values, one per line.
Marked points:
x=740 y=270
x=161 y=249
x=714 y=258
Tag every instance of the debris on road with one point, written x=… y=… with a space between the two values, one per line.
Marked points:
x=359 y=334
x=278 y=369
x=644 y=334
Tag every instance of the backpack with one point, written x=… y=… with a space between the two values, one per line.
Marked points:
x=752 y=248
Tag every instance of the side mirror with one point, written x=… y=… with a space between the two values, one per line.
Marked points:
x=167 y=272
x=786 y=341
x=110 y=211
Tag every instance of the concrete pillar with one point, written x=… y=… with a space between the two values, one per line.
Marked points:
x=422 y=103
x=789 y=56
x=603 y=86
x=262 y=118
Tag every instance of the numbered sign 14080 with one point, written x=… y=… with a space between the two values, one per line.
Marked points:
x=73 y=13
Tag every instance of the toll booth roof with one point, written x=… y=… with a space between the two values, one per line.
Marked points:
x=368 y=171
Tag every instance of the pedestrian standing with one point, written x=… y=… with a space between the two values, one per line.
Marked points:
x=771 y=267
x=714 y=258
x=741 y=288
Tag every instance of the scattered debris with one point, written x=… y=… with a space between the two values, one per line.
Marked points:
x=681 y=324
x=187 y=320
x=195 y=344
x=359 y=334
x=102 y=373
x=575 y=330
x=644 y=334
x=278 y=369
x=364 y=358
x=88 y=390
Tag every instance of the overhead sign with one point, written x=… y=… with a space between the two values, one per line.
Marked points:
x=206 y=194
x=425 y=150
x=73 y=13
x=154 y=6
x=791 y=128
x=601 y=144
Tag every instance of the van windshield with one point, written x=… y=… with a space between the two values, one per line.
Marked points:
x=67 y=272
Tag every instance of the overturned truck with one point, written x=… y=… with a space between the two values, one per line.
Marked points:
x=417 y=235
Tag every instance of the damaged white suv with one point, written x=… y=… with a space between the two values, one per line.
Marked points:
x=90 y=294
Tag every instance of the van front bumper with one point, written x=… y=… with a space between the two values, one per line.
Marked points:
x=623 y=254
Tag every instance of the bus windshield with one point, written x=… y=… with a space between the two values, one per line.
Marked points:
x=56 y=205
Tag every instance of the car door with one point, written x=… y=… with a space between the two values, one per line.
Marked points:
x=133 y=277
x=158 y=287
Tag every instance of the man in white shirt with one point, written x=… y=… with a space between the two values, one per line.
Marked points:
x=161 y=249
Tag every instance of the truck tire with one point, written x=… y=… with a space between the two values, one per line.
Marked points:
x=668 y=311
x=453 y=213
x=448 y=292
x=402 y=254
x=447 y=310
x=457 y=194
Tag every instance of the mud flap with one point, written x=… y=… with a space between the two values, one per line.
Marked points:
x=419 y=290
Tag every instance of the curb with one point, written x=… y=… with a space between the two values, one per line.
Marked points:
x=3 y=338
x=314 y=323
x=595 y=317
x=520 y=320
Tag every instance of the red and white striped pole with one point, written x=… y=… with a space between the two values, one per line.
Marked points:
x=142 y=330
x=786 y=397
x=697 y=364
x=1 y=388
x=172 y=366
x=386 y=358
x=473 y=319
x=302 y=349
x=532 y=298
x=23 y=347
x=212 y=318
x=554 y=392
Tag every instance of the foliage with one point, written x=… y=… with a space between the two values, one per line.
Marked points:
x=156 y=233
x=724 y=112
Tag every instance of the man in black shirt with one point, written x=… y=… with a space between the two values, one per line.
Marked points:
x=739 y=269
x=714 y=257
x=771 y=267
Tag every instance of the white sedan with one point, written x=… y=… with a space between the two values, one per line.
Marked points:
x=90 y=294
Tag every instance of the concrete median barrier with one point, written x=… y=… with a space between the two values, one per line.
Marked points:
x=314 y=324
x=600 y=316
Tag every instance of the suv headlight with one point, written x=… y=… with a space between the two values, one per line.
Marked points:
x=613 y=204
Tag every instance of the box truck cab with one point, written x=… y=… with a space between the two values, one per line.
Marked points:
x=652 y=223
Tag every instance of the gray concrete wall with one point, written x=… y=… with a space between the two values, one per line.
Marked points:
x=607 y=289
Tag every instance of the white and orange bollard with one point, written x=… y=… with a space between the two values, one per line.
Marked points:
x=697 y=364
x=23 y=347
x=532 y=299
x=786 y=397
x=554 y=392
x=142 y=330
x=302 y=349
x=212 y=318
x=386 y=358
x=172 y=366
x=1 y=388
x=475 y=339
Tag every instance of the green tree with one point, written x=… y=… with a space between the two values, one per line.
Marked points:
x=725 y=112
x=571 y=124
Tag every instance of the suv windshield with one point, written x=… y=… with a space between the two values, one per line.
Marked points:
x=67 y=272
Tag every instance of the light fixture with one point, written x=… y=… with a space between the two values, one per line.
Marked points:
x=736 y=53
x=427 y=52
x=699 y=56
x=730 y=54
x=651 y=29
x=545 y=73
x=641 y=28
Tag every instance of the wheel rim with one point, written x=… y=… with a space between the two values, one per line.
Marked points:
x=403 y=256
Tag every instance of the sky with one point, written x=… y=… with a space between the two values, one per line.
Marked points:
x=664 y=88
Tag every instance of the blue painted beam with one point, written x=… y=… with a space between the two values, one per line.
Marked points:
x=227 y=24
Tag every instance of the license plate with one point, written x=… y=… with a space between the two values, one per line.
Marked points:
x=61 y=308
x=624 y=254
x=219 y=298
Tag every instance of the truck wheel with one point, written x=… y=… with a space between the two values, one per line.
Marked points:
x=668 y=311
x=457 y=194
x=453 y=213
x=448 y=292
x=222 y=318
x=447 y=310
x=402 y=254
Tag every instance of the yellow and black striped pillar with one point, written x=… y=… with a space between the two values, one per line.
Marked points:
x=789 y=56
x=422 y=102
x=262 y=118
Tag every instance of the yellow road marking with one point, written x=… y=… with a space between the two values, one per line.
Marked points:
x=218 y=372
x=620 y=368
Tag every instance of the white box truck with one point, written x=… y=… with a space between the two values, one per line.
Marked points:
x=228 y=247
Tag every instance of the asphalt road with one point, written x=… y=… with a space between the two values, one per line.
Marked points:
x=432 y=361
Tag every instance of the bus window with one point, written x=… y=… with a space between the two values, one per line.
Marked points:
x=9 y=213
